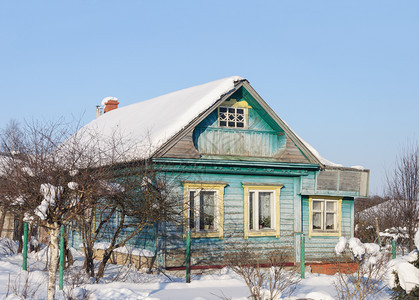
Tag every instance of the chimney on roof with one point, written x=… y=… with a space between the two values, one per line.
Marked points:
x=109 y=103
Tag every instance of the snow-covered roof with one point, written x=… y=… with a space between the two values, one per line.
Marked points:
x=149 y=124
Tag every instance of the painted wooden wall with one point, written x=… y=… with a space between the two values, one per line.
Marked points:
x=211 y=250
x=321 y=248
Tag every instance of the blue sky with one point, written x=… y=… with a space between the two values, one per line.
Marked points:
x=343 y=74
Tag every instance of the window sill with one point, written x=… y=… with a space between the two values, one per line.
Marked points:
x=325 y=233
x=205 y=234
x=265 y=232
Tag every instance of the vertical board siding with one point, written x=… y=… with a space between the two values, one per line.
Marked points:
x=212 y=250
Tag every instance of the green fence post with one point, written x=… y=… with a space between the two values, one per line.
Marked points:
x=61 y=257
x=188 y=256
x=25 y=247
x=303 y=258
x=393 y=248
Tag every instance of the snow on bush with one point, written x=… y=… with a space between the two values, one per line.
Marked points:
x=341 y=245
x=50 y=194
x=403 y=272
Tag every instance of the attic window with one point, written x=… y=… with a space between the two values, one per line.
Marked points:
x=231 y=117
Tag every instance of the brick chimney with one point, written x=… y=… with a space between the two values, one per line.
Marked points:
x=109 y=103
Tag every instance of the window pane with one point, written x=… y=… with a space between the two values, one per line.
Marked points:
x=330 y=221
x=223 y=123
x=265 y=210
x=317 y=221
x=231 y=124
x=240 y=111
x=191 y=210
x=223 y=116
x=317 y=205
x=231 y=110
x=240 y=125
x=207 y=210
x=330 y=206
x=223 y=109
x=251 y=197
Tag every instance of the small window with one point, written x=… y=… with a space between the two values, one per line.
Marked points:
x=261 y=210
x=203 y=211
x=324 y=216
x=231 y=117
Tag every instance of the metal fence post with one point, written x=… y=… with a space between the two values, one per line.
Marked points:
x=302 y=252
x=393 y=248
x=188 y=256
x=25 y=247
x=61 y=257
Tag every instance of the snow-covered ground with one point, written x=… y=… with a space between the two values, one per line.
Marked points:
x=122 y=283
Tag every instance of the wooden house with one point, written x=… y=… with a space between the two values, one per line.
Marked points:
x=243 y=175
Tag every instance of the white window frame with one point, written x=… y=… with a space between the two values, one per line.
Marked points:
x=323 y=231
x=235 y=113
x=218 y=188
x=255 y=205
x=197 y=208
x=275 y=189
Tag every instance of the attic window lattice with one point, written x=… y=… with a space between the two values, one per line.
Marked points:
x=231 y=117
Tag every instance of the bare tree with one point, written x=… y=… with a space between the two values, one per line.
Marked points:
x=55 y=177
x=403 y=188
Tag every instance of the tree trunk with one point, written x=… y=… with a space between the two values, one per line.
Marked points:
x=20 y=233
x=2 y=218
x=89 y=264
x=105 y=259
x=54 y=251
x=69 y=260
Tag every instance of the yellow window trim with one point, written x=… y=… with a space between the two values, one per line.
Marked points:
x=275 y=232
x=310 y=217
x=219 y=187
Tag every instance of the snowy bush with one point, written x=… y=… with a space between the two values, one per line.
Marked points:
x=367 y=280
x=263 y=284
x=403 y=274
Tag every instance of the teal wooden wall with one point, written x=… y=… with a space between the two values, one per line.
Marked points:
x=320 y=248
x=211 y=250
x=259 y=139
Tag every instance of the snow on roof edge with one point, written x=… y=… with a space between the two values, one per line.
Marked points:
x=158 y=119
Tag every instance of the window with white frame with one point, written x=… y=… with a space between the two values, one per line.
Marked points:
x=203 y=210
x=325 y=215
x=261 y=210
x=233 y=117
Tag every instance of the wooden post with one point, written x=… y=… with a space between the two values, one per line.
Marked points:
x=62 y=250
x=188 y=256
x=378 y=231
x=25 y=247
x=302 y=260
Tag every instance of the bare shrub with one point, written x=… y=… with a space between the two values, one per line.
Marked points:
x=366 y=281
x=75 y=280
x=24 y=286
x=265 y=275
x=7 y=247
